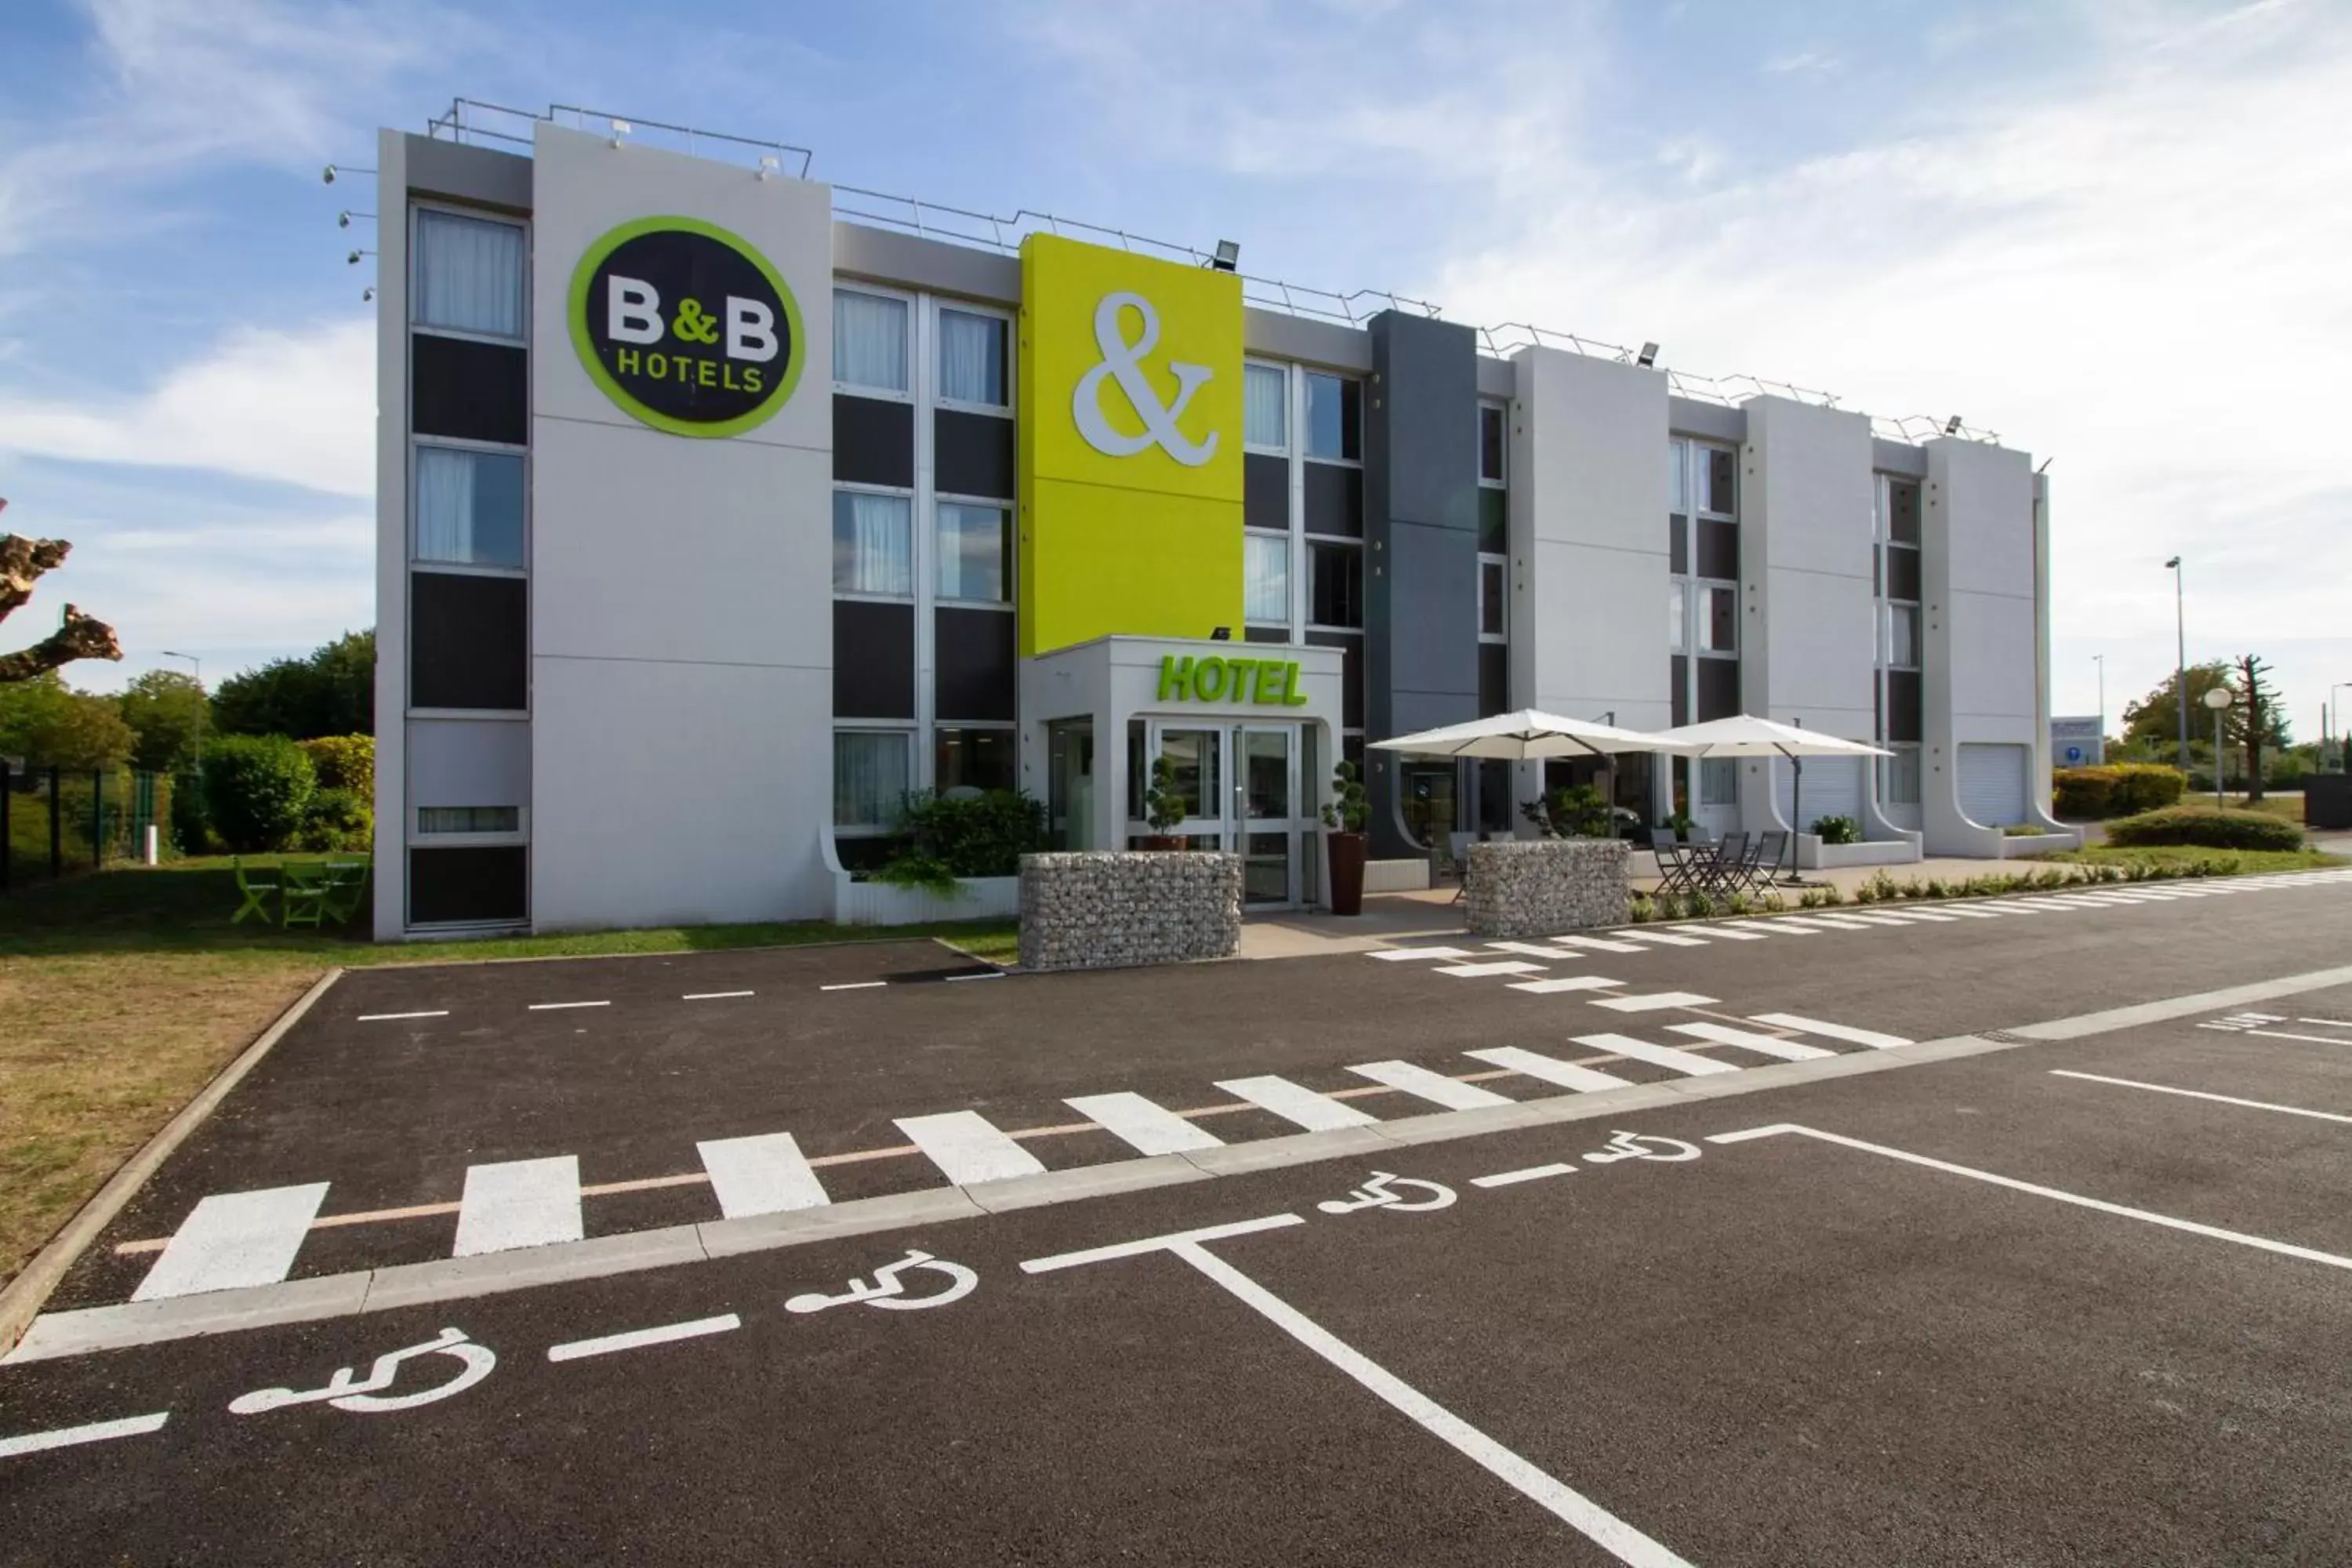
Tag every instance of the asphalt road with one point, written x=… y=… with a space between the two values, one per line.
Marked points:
x=2067 y=1303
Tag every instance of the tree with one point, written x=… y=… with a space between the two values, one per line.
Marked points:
x=2261 y=722
x=46 y=723
x=166 y=711
x=22 y=561
x=2154 y=720
x=330 y=692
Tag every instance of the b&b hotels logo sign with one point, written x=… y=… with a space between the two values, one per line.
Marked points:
x=685 y=327
x=1122 y=363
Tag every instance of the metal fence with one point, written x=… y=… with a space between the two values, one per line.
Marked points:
x=58 y=821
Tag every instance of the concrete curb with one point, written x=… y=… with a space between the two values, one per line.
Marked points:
x=21 y=1302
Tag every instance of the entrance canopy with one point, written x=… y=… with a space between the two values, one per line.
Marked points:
x=1527 y=735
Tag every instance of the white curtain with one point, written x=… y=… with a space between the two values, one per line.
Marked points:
x=971 y=552
x=873 y=545
x=1677 y=477
x=1265 y=567
x=444 y=504
x=971 y=358
x=1265 y=405
x=467 y=274
x=869 y=341
x=869 y=777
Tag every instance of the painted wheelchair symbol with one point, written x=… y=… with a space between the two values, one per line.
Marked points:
x=1643 y=1146
x=889 y=1290
x=1382 y=1193
x=347 y=1391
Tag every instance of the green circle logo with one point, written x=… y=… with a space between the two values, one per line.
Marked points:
x=685 y=327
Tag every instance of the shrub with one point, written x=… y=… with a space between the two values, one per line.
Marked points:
x=256 y=789
x=2209 y=829
x=983 y=835
x=338 y=821
x=189 y=833
x=1837 y=829
x=343 y=761
x=2082 y=793
x=2117 y=789
x=1880 y=888
x=2146 y=786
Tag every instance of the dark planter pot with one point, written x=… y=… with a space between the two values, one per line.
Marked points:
x=1162 y=841
x=1348 y=850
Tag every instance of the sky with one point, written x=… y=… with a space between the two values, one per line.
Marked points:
x=2113 y=231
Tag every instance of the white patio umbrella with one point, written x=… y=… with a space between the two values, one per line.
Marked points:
x=1745 y=735
x=1526 y=736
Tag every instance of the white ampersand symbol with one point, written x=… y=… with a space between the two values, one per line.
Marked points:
x=1120 y=362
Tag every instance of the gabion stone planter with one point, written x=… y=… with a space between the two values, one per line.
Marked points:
x=1106 y=910
x=1542 y=887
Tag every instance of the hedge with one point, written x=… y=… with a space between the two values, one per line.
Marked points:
x=257 y=789
x=2208 y=829
x=343 y=761
x=2117 y=789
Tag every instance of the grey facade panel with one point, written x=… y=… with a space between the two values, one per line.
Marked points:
x=1280 y=336
x=1710 y=421
x=873 y=441
x=1265 y=492
x=469 y=762
x=1420 y=524
x=1898 y=458
x=972 y=454
x=911 y=261
x=477 y=176
x=1496 y=378
x=1335 y=500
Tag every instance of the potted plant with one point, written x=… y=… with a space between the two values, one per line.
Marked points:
x=1163 y=806
x=1345 y=815
x=1680 y=821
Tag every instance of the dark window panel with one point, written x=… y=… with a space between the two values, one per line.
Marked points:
x=468 y=641
x=1677 y=544
x=489 y=883
x=1352 y=675
x=1903 y=511
x=1719 y=688
x=1494 y=522
x=470 y=391
x=1494 y=678
x=1490 y=442
x=1335 y=500
x=972 y=454
x=873 y=441
x=1718 y=550
x=1265 y=492
x=975 y=664
x=1722 y=480
x=1267 y=633
x=874 y=659
x=1681 y=689
x=975 y=759
x=865 y=853
x=1903 y=705
x=1335 y=584
x=1902 y=574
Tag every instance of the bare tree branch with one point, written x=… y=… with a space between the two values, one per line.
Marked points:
x=80 y=637
x=21 y=560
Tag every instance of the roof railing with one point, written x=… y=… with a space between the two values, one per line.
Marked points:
x=471 y=120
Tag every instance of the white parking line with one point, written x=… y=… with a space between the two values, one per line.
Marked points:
x=235 y=1239
x=1548 y=1069
x=1666 y=937
x=1436 y=1087
x=636 y=1339
x=2201 y=1094
x=1852 y=1037
x=560 y=1006
x=1296 y=1103
x=1147 y=1127
x=519 y=1202
x=392 y=1017
x=2307 y=1039
x=1601 y=944
x=95 y=1432
x=1565 y=982
x=1513 y=1178
x=765 y=1173
x=967 y=1147
x=1477 y=970
x=1748 y=1039
x=711 y=996
x=2330 y=1023
x=1394 y=954
x=1686 y=1062
x=1654 y=1002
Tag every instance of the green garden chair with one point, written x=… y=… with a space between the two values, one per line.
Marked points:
x=255 y=887
x=306 y=893
x=347 y=877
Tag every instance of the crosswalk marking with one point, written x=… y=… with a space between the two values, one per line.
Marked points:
x=1783 y=925
x=1837 y=922
x=1915 y=915
x=1853 y=1036
x=1393 y=954
x=1667 y=1057
x=1501 y=966
x=234 y=1239
x=1748 y=1039
x=1565 y=982
x=1734 y=933
x=1147 y=1128
x=762 y=1174
x=1654 y=1002
x=968 y=1148
x=1877 y=919
x=1600 y=944
x=1536 y=950
x=1666 y=937
x=519 y=1202
x=1296 y=1103
x=1451 y=1093
x=1548 y=1069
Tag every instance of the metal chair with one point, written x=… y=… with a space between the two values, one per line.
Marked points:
x=1680 y=867
x=304 y=899
x=255 y=889
x=1458 y=847
x=1775 y=849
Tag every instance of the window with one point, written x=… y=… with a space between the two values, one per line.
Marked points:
x=1718 y=620
x=1898 y=777
x=869 y=777
x=973 y=545
x=1494 y=598
x=441 y=820
x=969 y=759
x=873 y=545
x=1903 y=511
x=1903 y=636
x=1265 y=574
x=971 y=358
x=468 y=507
x=1491 y=445
x=1677 y=610
x=1265 y=406
x=1718 y=477
x=466 y=275
x=1677 y=478
x=1335 y=418
x=870 y=341
x=1718 y=781
x=1334 y=575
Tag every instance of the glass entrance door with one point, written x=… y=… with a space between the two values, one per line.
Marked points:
x=1241 y=789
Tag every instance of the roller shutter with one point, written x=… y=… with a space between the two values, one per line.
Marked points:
x=1992 y=784
x=1832 y=788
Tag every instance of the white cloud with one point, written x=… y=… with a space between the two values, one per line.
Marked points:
x=293 y=407
x=1805 y=62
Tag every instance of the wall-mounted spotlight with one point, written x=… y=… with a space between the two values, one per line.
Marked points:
x=1222 y=634
x=1952 y=426
x=367 y=294
x=1228 y=257
x=768 y=165
x=327 y=175
x=343 y=218
x=353 y=258
x=621 y=128
x=1648 y=356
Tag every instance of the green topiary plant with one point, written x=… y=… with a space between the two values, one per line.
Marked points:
x=1163 y=801
x=1348 y=809
x=256 y=789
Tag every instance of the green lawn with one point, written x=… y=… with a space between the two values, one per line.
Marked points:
x=2241 y=862
x=122 y=994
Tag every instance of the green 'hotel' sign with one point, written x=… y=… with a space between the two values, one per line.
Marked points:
x=1267 y=683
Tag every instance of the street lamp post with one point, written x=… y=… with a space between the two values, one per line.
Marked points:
x=2343 y=745
x=2101 y=661
x=2180 y=666
x=2218 y=700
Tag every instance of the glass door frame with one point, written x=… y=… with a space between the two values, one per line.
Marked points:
x=1231 y=825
